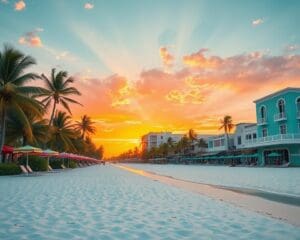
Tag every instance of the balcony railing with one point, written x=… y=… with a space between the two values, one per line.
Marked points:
x=262 y=121
x=293 y=138
x=280 y=116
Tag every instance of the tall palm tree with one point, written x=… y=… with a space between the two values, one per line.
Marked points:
x=85 y=126
x=14 y=94
x=227 y=125
x=58 y=91
x=63 y=133
x=16 y=129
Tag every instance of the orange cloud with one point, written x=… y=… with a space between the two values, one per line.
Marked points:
x=192 y=97
x=31 y=39
x=166 y=57
x=19 y=6
x=199 y=60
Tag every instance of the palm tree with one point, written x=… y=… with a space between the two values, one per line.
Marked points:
x=16 y=129
x=227 y=125
x=58 y=91
x=85 y=126
x=63 y=133
x=14 y=95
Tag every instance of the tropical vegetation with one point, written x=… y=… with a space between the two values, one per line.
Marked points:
x=24 y=108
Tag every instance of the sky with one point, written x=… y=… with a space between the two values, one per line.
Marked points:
x=149 y=65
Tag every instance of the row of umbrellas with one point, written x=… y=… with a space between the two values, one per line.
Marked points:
x=30 y=150
x=227 y=157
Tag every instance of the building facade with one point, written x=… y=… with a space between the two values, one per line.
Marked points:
x=155 y=139
x=278 y=128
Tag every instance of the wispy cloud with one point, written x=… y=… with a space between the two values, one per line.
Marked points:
x=199 y=60
x=292 y=48
x=31 y=38
x=166 y=57
x=19 y=6
x=88 y=6
x=257 y=22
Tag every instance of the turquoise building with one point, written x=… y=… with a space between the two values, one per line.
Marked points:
x=278 y=128
x=274 y=139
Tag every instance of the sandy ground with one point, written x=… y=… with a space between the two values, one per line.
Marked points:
x=277 y=210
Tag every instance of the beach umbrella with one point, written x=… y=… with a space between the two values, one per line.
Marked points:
x=27 y=150
x=49 y=153
x=7 y=149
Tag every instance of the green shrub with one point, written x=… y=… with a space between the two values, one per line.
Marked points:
x=35 y=162
x=72 y=164
x=56 y=163
x=9 y=169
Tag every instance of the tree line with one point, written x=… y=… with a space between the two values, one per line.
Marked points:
x=24 y=108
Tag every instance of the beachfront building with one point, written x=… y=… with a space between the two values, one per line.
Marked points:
x=278 y=128
x=244 y=132
x=220 y=143
x=273 y=140
x=155 y=139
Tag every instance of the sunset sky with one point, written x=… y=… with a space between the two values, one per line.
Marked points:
x=149 y=65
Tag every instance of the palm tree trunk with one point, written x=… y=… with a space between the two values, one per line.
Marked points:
x=2 y=130
x=52 y=114
x=227 y=137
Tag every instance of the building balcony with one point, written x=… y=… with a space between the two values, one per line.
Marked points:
x=262 y=121
x=293 y=138
x=279 y=117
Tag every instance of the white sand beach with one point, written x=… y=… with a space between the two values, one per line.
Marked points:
x=284 y=212
x=104 y=202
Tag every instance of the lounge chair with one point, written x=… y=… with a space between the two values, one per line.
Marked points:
x=63 y=166
x=50 y=168
x=29 y=169
x=24 y=170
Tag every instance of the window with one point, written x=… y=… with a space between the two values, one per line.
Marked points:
x=263 y=112
x=281 y=106
x=248 y=137
x=254 y=136
x=161 y=137
x=282 y=129
x=239 y=140
x=298 y=104
x=264 y=132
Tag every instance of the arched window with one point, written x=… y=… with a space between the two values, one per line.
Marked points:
x=281 y=106
x=298 y=104
x=263 y=112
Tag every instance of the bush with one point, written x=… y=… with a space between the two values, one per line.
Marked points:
x=36 y=163
x=56 y=163
x=72 y=164
x=9 y=169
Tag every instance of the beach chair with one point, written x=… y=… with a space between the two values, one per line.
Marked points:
x=63 y=166
x=29 y=169
x=50 y=168
x=24 y=170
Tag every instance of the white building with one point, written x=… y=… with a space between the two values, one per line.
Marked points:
x=243 y=133
x=155 y=139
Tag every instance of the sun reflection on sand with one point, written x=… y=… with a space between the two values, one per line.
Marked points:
x=134 y=170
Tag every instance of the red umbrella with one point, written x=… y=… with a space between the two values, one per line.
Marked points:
x=7 y=149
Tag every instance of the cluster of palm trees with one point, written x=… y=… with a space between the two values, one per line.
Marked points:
x=23 y=108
